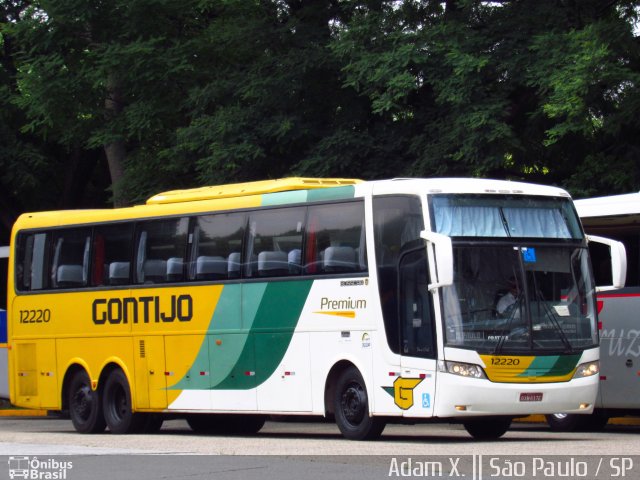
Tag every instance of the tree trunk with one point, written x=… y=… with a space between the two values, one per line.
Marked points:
x=116 y=155
x=115 y=150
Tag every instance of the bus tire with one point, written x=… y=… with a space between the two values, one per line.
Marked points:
x=487 y=428
x=85 y=408
x=563 y=422
x=116 y=405
x=351 y=407
x=566 y=422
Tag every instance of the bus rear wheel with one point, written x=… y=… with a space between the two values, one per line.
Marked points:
x=117 y=405
x=85 y=409
x=487 y=428
x=351 y=407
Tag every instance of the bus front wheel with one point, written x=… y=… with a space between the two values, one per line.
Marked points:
x=85 y=409
x=117 y=405
x=351 y=407
x=487 y=428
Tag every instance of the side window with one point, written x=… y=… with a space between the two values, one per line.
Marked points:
x=336 y=239
x=70 y=258
x=397 y=222
x=275 y=242
x=161 y=251
x=31 y=259
x=217 y=246
x=416 y=312
x=112 y=252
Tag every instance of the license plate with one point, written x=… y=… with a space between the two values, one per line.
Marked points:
x=531 y=397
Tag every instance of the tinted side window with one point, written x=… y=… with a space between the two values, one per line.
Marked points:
x=217 y=246
x=336 y=239
x=112 y=253
x=275 y=242
x=31 y=258
x=70 y=258
x=416 y=311
x=161 y=250
x=398 y=221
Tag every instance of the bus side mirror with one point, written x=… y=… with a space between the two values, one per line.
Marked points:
x=618 y=256
x=443 y=257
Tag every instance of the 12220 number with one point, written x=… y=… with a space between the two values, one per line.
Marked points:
x=35 y=316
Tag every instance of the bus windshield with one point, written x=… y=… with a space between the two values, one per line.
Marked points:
x=512 y=291
x=520 y=299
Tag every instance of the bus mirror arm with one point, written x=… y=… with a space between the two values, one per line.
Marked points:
x=443 y=258
x=618 y=261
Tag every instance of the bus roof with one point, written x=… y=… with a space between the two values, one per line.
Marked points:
x=609 y=206
x=279 y=192
x=248 y=188
x=465 y=185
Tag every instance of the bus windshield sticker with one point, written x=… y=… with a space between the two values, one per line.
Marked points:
x=529 y=255
x=562 y=310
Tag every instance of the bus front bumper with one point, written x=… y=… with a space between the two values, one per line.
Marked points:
x=467 y=397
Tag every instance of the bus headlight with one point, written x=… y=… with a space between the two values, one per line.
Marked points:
x=461 y=369
x=587 y=369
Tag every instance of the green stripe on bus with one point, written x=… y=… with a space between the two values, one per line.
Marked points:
x=284 y=198
x=552 y=365
x=313 y=195
x=226 y=337
x=240 y=355
x=334 y=193
x=271 y=333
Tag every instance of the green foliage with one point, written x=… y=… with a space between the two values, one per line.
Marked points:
x=214 y=91
x=528 y=89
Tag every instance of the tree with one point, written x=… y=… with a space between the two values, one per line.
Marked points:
x=31 y=166
x=275 y=104
x=103 y=75
x=542 y=91
x=147 y=95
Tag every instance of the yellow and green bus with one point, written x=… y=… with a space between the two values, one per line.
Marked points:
x=367 y=302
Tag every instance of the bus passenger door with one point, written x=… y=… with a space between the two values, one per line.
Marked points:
x=414 y=393
x=151 y=383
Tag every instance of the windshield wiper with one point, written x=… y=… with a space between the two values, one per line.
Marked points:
x=554 y=320
x=505 y=224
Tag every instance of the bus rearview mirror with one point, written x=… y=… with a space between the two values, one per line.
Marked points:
x=618 y=261
x=443 y=258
